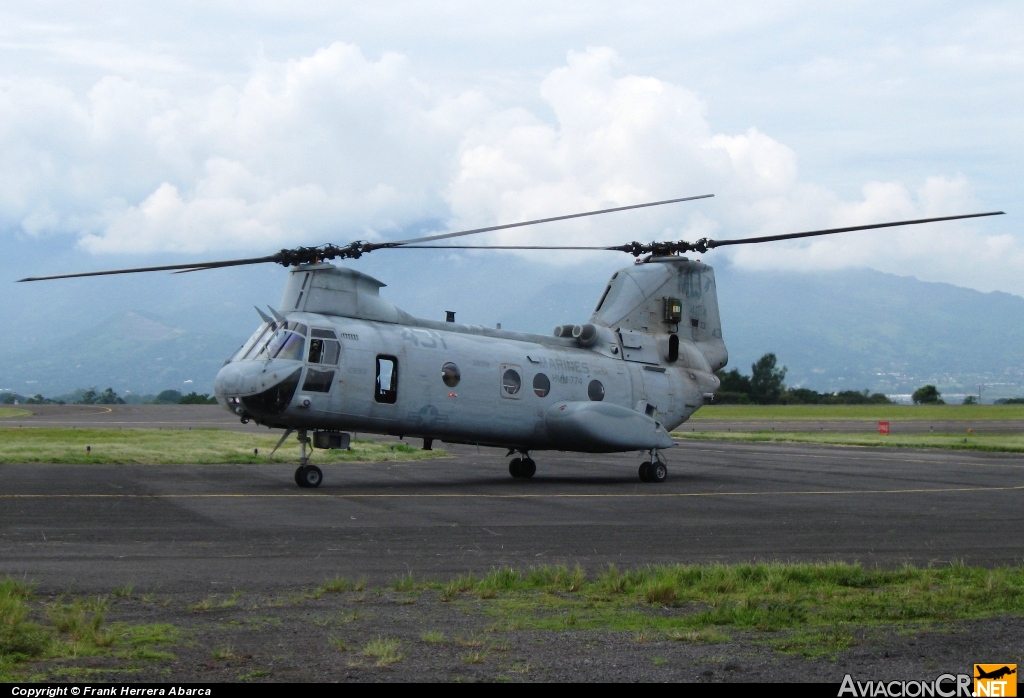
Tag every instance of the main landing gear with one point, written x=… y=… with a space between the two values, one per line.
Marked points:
x=521 y=467
x=307 y=475
x=654 y=470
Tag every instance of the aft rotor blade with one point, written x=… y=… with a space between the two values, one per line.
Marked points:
x=445 y=236
x=166 y=267
x=711 y=244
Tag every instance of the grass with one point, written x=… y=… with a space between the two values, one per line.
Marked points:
x=32 y=631
x=708 y=636
x=868 y=412
x=815 y=643
x=1007 y=443
x=9 y=412
x=177 y=446
x=384 y=650
x=806 y=609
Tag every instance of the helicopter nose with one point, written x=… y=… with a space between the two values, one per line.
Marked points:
x=258 y=389
x=237 y=379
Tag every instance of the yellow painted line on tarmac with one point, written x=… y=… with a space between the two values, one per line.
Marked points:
x=453 y=495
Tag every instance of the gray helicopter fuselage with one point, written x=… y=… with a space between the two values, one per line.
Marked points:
x=339 y=357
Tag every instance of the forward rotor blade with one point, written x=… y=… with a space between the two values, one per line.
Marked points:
x=499 y=247
x=711 y=244
x=353 y=250
x=166 y=267
x=445 y=236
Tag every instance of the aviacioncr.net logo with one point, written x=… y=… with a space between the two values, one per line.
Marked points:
x=945 y=686
x=995 y=680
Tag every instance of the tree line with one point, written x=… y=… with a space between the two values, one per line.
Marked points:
x=90 y=396
x=766 y=386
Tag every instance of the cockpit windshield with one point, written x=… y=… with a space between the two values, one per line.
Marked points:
x=287 y=342
x=253 y=344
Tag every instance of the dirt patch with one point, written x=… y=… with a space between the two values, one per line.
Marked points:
x=387 y=635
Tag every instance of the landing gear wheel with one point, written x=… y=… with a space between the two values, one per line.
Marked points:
x=515 y=467
x=657 y=472
x=645 y=472
x=309 y=476
x=527 y=468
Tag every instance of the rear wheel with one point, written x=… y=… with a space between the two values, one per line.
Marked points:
x=515 y=467
x=527 y=468
x=645 y=472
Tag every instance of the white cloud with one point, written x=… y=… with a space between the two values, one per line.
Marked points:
x=335 y=146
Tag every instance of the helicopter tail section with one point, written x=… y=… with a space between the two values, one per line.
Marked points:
x=672 y=300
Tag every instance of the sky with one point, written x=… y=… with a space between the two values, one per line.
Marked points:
x=147 y=133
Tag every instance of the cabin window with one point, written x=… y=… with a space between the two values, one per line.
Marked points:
x=387 y=380
x=318 y=381
x=673 y=347
x=450 y=374
x=595 y=391
x=541 y=385
x=511 y=382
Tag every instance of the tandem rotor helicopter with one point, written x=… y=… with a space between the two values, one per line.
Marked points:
x=336 y=357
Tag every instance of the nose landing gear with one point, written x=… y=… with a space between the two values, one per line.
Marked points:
x=654 y=470
x=307 y=475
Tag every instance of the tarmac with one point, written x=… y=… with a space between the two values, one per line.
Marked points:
x=177 y=528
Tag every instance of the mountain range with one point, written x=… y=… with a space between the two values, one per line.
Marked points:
x=849 y=329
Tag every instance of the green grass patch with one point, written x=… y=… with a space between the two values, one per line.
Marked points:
x=699 y=603
x=9 y=412
x=708 y=636
x=868 y=412
x=31 y=631
x=814 y=643
x=1006 y=443
x=384 y=650
x=181 y=447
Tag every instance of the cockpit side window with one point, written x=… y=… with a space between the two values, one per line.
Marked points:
x=324 y=348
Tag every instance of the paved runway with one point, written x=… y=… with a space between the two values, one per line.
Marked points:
x=129 y=417
x=178 y=528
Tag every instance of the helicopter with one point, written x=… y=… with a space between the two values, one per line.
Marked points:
x=336 y=358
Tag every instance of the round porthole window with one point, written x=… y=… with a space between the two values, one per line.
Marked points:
x=511 y=382
x=450 y=374
x=596 y=391
x=541 y=385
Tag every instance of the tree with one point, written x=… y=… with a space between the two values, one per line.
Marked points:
x=970 y=400
x=168 y=397
x=195 y=398
x=927 y=395
x=766 y=384
x=87 y=398
x=108 y=397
